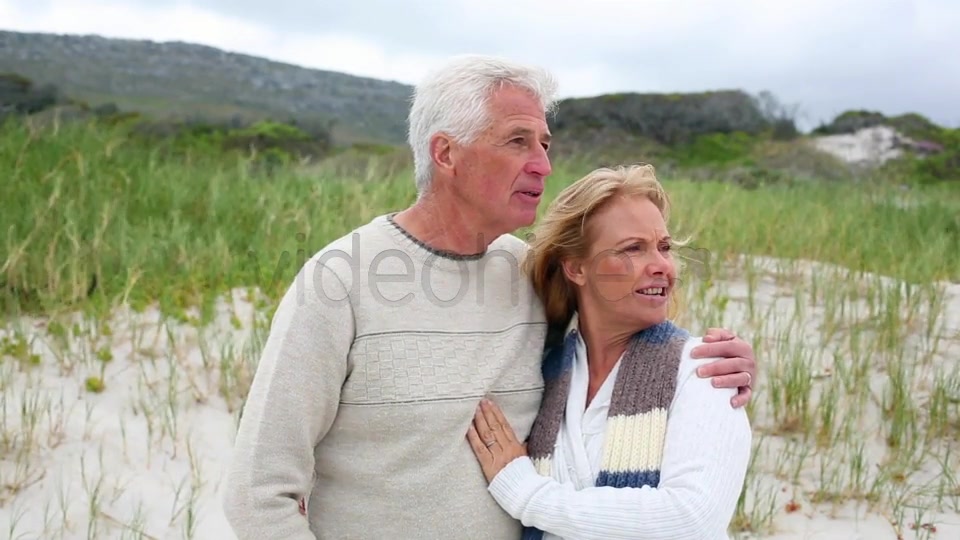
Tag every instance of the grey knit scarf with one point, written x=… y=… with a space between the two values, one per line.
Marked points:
x=637 y=419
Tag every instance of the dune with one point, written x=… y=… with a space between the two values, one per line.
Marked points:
x=123 y=427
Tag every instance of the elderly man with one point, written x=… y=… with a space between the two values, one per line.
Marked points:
x=383 y=346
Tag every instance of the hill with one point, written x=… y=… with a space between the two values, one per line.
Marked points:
x=182 y=80
x=243 y=102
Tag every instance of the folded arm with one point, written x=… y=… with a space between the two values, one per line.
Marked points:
x=291 y=404
x=706 y=454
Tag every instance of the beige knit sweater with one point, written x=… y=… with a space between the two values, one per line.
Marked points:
x=376 y=360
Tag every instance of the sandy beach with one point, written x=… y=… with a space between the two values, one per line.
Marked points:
x=851 y=367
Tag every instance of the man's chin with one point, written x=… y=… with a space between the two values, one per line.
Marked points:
x=522 y=219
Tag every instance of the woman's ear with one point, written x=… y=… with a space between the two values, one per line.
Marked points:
x=573 y=270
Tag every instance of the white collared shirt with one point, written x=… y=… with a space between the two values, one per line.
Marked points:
x=579 y=451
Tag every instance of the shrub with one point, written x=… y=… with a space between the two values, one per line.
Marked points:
x=941 y=167
x=668 y=119
x=19 y=95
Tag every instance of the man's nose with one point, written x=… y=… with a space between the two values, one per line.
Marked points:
x=539 y=163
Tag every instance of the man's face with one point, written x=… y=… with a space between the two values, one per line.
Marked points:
x=501 y=175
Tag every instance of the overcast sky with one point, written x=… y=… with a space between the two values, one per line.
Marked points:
x=824 y=56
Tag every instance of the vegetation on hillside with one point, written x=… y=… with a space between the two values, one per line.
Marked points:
x=269 y=142
x=912 y=125
x=181 y=80
x=933 y=151
x=20 y=96
x=675 y=119
x=183 y=92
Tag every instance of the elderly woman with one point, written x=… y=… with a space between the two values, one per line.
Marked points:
x=629 y=441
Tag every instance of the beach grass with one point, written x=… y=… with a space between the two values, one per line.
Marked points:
x=137 y=288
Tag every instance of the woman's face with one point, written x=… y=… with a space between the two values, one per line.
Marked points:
x=629 y=273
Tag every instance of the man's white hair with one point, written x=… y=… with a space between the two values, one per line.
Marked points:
x=453 y=99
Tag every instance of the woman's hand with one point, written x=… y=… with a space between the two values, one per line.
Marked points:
x=493 y=440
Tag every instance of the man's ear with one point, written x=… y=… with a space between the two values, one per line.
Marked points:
x=441 y=151
x=575 y=271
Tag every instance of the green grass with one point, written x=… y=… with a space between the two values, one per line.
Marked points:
x=89 y=204
x=845 y=301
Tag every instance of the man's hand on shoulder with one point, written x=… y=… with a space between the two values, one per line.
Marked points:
x=735 y=367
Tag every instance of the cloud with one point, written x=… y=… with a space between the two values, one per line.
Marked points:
x=825 y=56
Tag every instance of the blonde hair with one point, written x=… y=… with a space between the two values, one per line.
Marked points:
x=563 y=232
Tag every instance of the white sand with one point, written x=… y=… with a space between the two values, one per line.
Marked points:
x=148 y=464
x=156 y=468
x=868 y=146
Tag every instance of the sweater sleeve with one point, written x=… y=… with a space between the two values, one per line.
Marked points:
x=292 y=402
x=706 y=455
